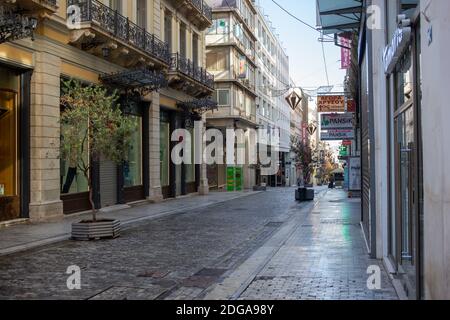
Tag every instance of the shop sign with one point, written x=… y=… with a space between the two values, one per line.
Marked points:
x=337 y=135
x=347 y=143
x=235 y=179
x=332 y=103
x=354 y=174
x=351 y=105
x=398 y=45
x=343 y=151
x=336 y=121
x=346 y=53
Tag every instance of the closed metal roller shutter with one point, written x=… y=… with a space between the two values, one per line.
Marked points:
x=366 y=183
x=108 y=183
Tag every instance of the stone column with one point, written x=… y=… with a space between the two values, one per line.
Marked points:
x=45 y=199
x=204 y=184
x=155 y=192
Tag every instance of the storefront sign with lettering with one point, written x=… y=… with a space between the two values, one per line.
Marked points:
x=331 y=103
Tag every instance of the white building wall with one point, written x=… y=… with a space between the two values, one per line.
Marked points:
x=381 y=129
x=436 y=151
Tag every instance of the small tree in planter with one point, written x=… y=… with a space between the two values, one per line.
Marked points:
x=92 y=119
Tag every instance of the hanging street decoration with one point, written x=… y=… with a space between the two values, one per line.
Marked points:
x=312 y=128
x=294 y=100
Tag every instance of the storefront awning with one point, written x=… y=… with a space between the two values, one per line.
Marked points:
x=135 y=80
x=198 y=106
x=339 y=16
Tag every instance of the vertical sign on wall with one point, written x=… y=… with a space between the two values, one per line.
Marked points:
x=346 y=54
x=231 y=179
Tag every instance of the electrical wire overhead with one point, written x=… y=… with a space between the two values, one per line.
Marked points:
x=300 y=20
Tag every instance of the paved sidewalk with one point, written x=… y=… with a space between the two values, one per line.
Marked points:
x=322 y=256
x=31 y=235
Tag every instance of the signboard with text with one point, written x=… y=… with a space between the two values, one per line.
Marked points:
x=354 y=174
x=336 y=121
x=337 y=135
x=332 y=103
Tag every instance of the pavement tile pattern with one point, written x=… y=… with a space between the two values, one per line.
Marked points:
x=183 y=255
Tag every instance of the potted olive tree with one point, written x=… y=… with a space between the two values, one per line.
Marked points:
x=92 y=123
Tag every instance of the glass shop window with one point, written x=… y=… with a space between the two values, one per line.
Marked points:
x=133 y=166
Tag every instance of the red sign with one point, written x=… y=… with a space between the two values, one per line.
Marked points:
x=347 y=143
x=351 y=106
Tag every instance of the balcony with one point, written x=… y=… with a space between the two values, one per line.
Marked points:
x=197 y=11
x=186 y=76
x=37 y=6
x=104 y=32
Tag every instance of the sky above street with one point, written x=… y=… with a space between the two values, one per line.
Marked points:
x=302 y=45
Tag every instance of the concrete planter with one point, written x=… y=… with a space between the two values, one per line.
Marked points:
x=101 y=229
x=259 y=188
x=304 y=194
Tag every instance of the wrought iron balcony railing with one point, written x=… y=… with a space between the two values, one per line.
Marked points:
x=122 y=28
x=189 y=69
x=203 y=7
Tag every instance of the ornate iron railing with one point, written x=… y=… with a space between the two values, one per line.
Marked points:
x=121 y=28
x=203 y=7
x=189 y=69
x=207 y=11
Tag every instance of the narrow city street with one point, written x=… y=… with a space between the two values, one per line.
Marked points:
x=261 y=246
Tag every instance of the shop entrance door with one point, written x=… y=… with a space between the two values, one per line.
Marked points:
x=406 y=215
x=9 y=155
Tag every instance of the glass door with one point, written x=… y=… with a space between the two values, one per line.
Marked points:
x=406 y=169
x=9 y=142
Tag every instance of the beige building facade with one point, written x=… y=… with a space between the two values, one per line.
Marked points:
x=97 y=42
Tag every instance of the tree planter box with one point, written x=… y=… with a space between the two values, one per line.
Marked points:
x=101 y=229
x=304 y=194
x=259 y=188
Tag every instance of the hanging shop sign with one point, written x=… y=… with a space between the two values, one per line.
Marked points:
x=337 y=135
x=334 y=103
x=354 y=174
x=347 y=143
x=398 y=45
x=351 y=105
x=346 y=53
x=336 y=121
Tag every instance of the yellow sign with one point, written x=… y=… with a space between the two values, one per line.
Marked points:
x=331 y=103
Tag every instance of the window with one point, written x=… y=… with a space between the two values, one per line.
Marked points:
x=133 y=166
x=164 y=151
x=141 y=13
x=217 y=61
x=223 y=97
x=190 y=168
x=195 y=44
x=168 y=30
x=116 y=5
x=183 y=40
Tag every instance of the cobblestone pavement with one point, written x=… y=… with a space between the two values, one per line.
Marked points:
x=325 y=258
x=185 y=256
